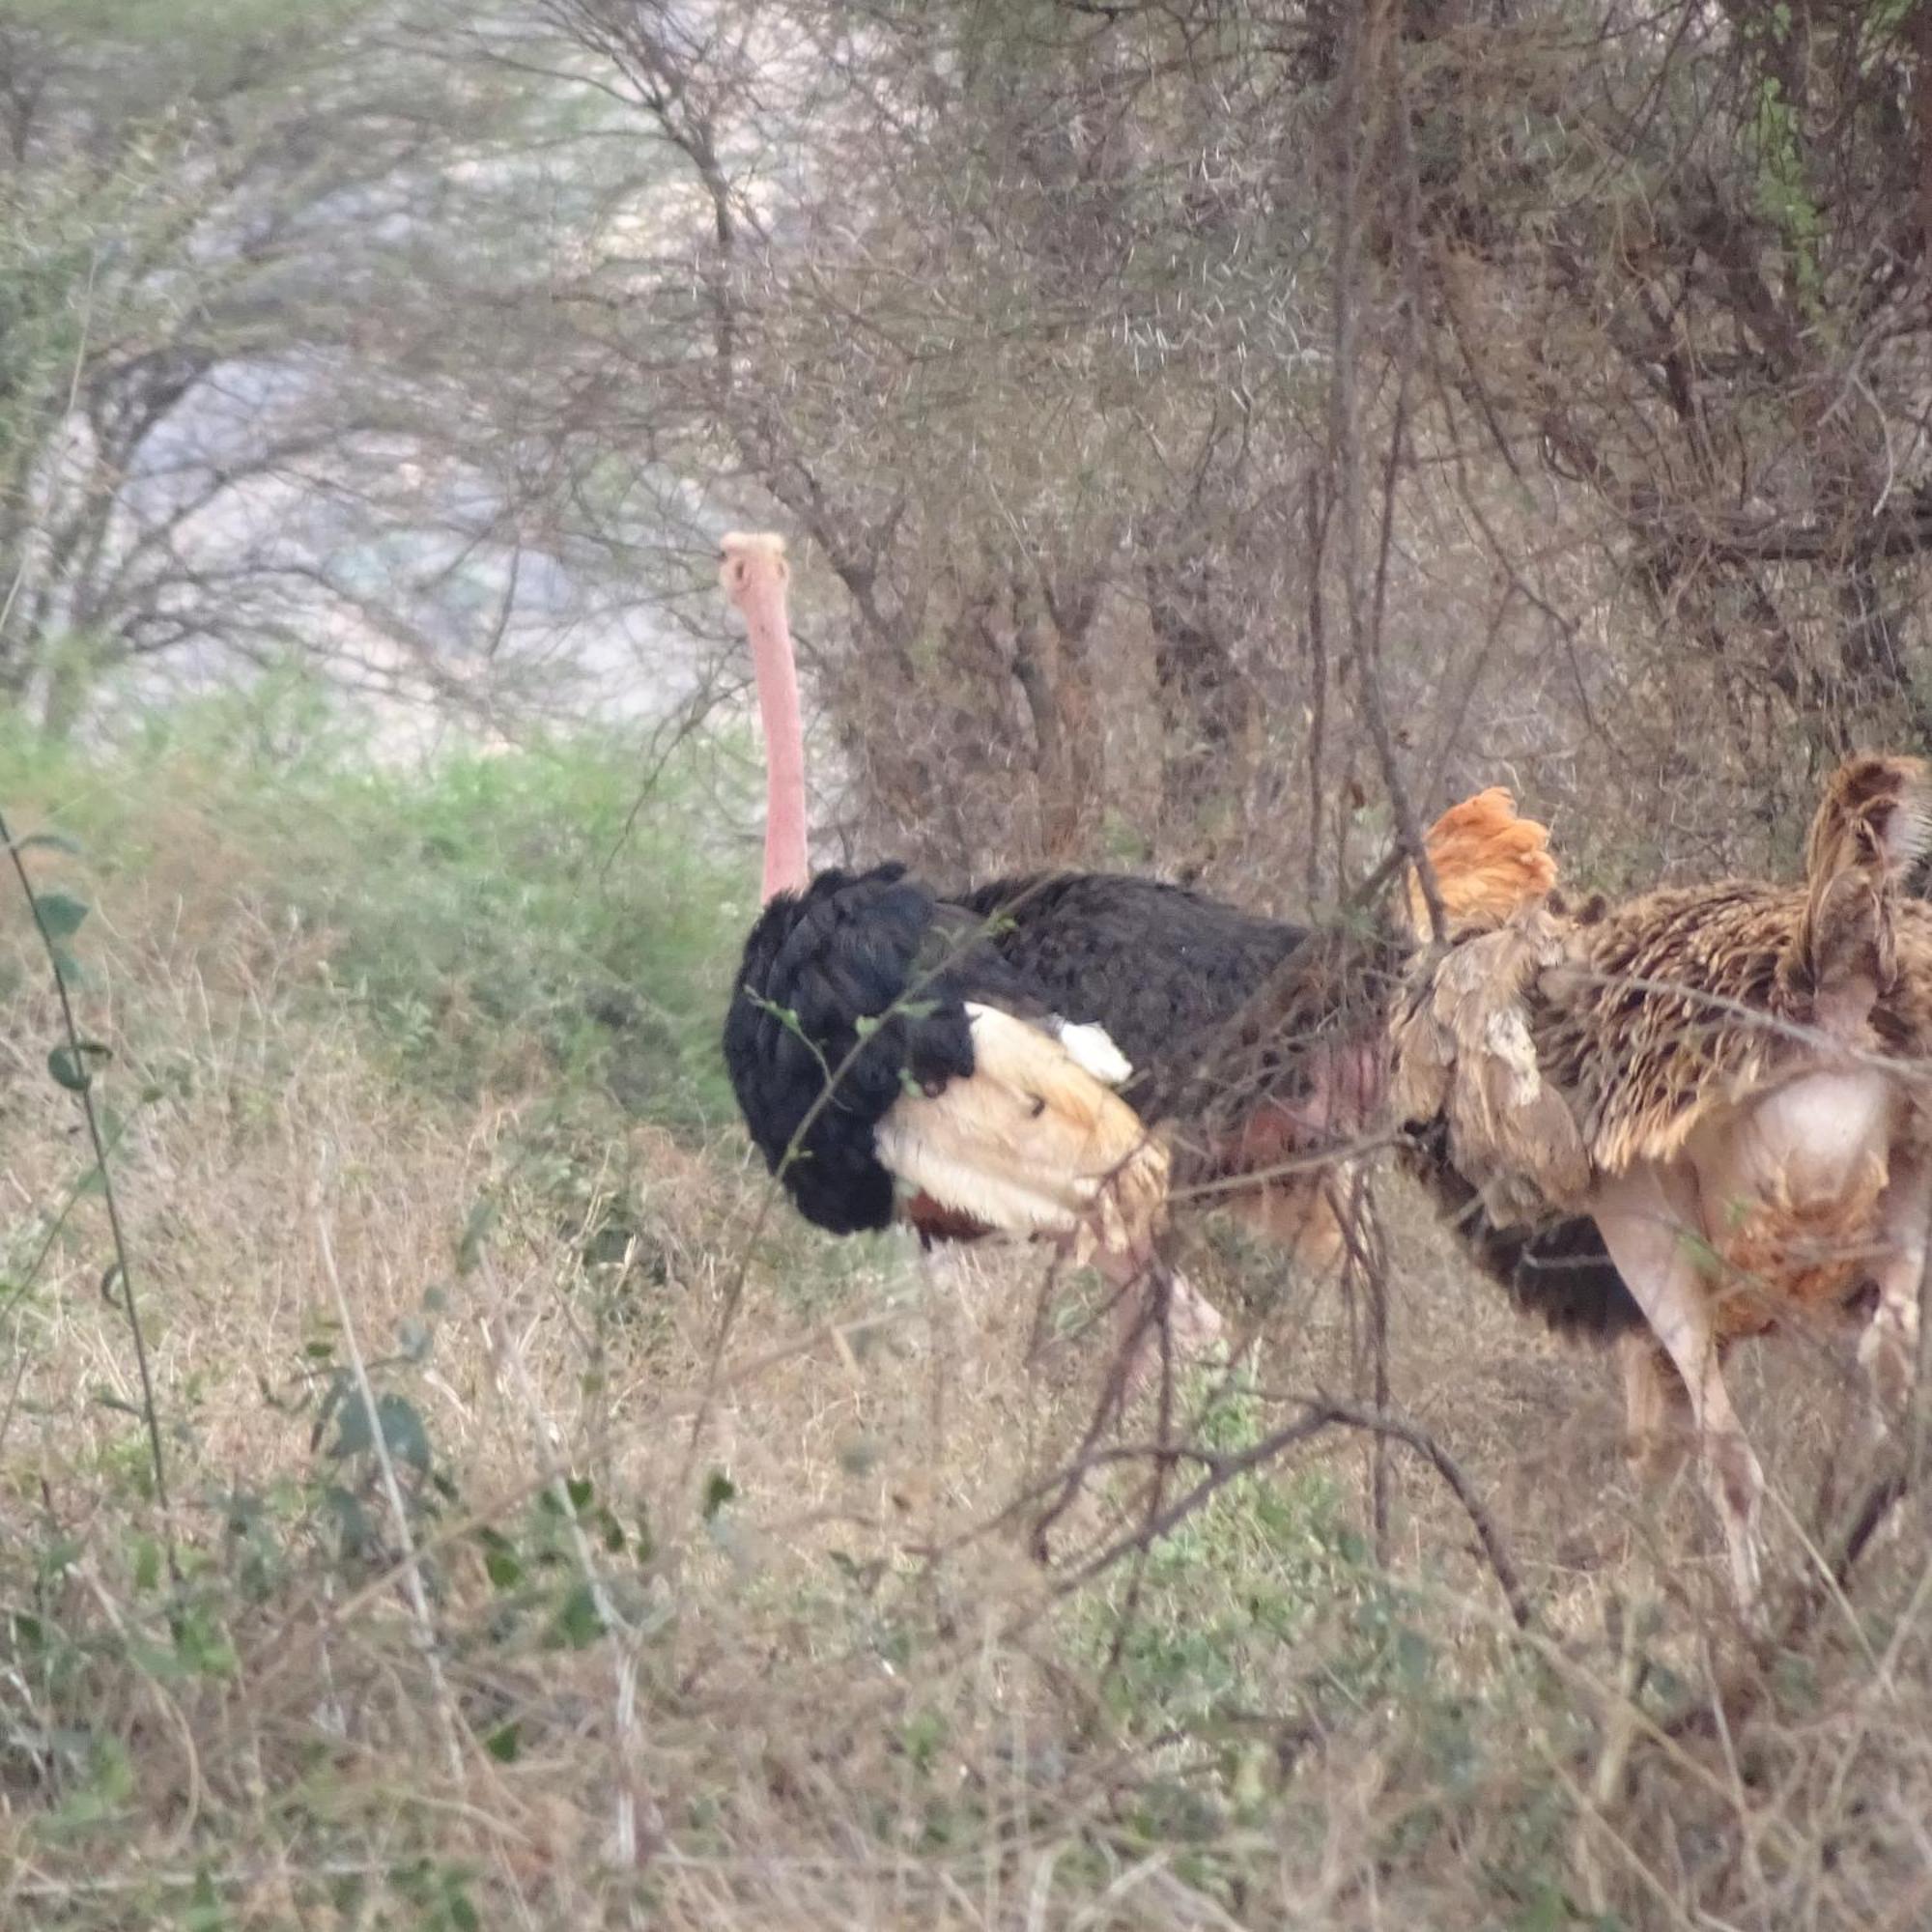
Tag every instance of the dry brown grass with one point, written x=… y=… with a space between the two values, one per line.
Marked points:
x=844 y=1694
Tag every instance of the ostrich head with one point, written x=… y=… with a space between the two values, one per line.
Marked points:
x=753 y=572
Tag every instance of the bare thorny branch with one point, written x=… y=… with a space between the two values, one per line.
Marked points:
x=1219 y=1468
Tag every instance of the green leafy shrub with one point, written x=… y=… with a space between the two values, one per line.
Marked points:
x=502 y=919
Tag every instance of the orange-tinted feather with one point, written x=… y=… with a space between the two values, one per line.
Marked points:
x=1488 y=861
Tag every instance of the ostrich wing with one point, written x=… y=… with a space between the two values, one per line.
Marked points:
x=1463 y=1051
x=1030 y=1143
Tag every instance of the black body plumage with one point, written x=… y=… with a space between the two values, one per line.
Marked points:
x=1181 y=982
x=1560 y=1272
x=852 y=984
x=1159 y=966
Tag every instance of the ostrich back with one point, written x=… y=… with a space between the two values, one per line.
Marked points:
x=1159 y=966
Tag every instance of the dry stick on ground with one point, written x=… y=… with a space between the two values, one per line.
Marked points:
x=392 y=1490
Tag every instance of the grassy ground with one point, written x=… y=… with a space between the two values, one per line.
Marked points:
x=561 y=1536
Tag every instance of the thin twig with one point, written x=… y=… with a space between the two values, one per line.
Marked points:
x=1364 y=1263
x=121 y=1273
x=689 y=720
x=81 y=349
x=1320 y=1413
x=1344 y=451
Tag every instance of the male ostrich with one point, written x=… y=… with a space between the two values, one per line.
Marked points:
x=890 y=1063
x=1713 y=1074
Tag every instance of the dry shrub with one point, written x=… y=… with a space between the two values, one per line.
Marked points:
x=727 y=1614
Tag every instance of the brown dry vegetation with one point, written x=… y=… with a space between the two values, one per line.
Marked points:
x=1213 y=435
x=713 y=1605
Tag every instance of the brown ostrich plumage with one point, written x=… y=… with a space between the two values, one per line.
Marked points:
x=1711 y=1072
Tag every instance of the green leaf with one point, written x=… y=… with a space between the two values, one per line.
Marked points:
x=352 y=1520
x=578 y=1623
x=866 y=1025
x=403 y=1433
x=70 y=1068
x=719 y=1490
x=499 y=1559
x=865 y=1577
x=69 y=969
x=351 y=1434
x=580 y=1489
x=475 y=1232
x=47 y=842
x=204 y=1911
x=202 y=1647
x=925 y=1735
x=61 y=914
x=505 y=1741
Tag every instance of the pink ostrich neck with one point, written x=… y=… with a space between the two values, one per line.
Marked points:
x=761 y=596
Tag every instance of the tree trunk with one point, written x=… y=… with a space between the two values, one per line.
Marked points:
x=1054 y=674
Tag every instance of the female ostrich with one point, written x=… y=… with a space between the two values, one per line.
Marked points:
x=995 y=1056
x=1700 y=1072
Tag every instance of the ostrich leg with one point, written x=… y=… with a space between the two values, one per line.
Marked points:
x=1648 y=1220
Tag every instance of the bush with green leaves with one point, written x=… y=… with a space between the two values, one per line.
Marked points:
x=1214 y=1623
x=550 y=912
